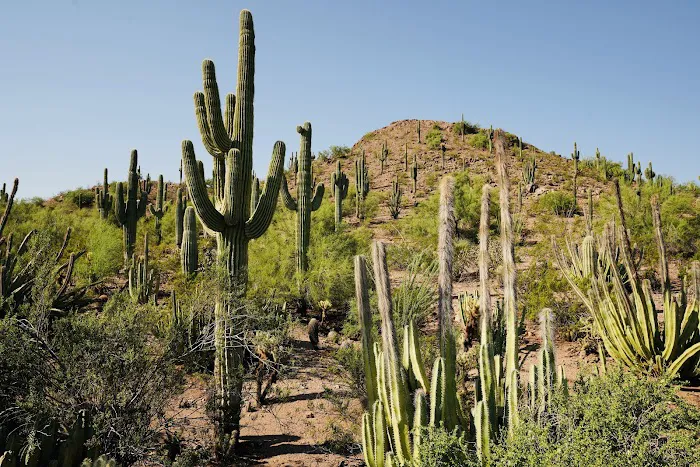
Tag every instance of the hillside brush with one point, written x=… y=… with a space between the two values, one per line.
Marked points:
x=143 y=280
x=308 y=198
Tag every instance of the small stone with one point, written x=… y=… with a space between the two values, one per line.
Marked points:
x=332 y=336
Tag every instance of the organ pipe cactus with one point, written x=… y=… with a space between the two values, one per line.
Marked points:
x=229 y=140
x=159 y=211
x=545 y=376
x=395 y=198
x=304 y=204
x=130 y=209
x=188 y=251
x=401 y=400
x=180 y=206
x=628 y=322
x=103 y=200
x=143 y=281
x=340 y=184
x=361 y=185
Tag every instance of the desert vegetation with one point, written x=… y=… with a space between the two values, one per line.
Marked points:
x=457 y=296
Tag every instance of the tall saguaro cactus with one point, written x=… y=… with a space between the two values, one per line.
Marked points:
x=229 y=140
x=383 y=156
x=130 y=209
x=361 y=185
x=340 y=183
x=575 y=156
x=180 y=205
x=159 y=211
x=304 y=204
x=103 y=198
x=188 y=252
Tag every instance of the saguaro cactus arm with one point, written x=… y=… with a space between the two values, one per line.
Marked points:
x=210 y=217
x=262 y=216
x=289 y=201
x=318 y=197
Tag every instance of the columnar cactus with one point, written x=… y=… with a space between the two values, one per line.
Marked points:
x=143 y=281
x=383 y=156
x=340 y=184
x=442 y=150
x=304 y=204
x=395 y=198
x=463 y=127
x=361 y=185
x=180 y=205
x=529 y=169
x=414 y=174
x=158 y=211
x=255 y=193
x=631 y=168
x=103 y=200
x=188 y=252
x=545 y=376
x=3 y=193
x=649 y=173
x=489 y=134
x=230 y=142
x=575 y=156
x=418 y=131
x=130 y=209
x=405 y=158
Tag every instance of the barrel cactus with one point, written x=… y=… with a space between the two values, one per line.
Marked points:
x=340 y=183
x=229 y=140
x=304 y=203
x=130 y=209
x=188 y=251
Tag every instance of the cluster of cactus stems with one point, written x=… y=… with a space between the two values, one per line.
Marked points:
x=529 y=168
x=229 y=140
x=308 y=198
x=143 y=281
x=545 y=376
x=469 y=315
x=628 y=322
x=55 y=446
x=103 y=200
x=400 y=398
x=189 y=259
x=395 y=198
x=649 y=173
x=383 y=157
x=340 y=184
x=361 y=185
x=575 y=156
x=130 y=209
x=159 y=211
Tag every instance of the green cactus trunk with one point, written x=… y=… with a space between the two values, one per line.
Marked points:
x=103 y=200
x=188 y=252
x=229 y=139
x=159 y=211
x=361 y=185
x=180 y=206
x=340 y=183
x=304 y=204
x=128 y=211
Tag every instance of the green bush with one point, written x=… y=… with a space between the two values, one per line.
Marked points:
x=468 y=128
x=334 y=152
x=479 y=140
x=434 y=138
x=558 y=203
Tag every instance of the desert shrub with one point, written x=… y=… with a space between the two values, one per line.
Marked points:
x=558 y=203
x=479 y=140
x=416 y=297
x=616 y=420
x=351 y=367
x=440 y=448
x=104 y=251
x=468 y=204
x=80 y=198
x=334 y=152
x=434 y=138
x=468 y=128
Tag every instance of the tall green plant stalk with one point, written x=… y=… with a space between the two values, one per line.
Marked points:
x=103 y=200
x=304 y=204
x=180 y=206
x=395 y=198
x=159 y=211
x=229 y=140
x=130 y=209
x=361 y=185
x=340 y=184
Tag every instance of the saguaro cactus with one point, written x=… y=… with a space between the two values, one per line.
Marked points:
x=443 y=148
x=304 y=204
x=649 y=173
x=361 y=185
x=128 y=211
x=159 y=211
x=405 y=159
x=383 y=156
x=3 y=193
x=418 y=131
x=395 y=198
x=340 y=184
x=230 y=142
x=180 y=205
x=414 y=174
x=143 y=283
x=188 y=252
x=575 y=156
x=103 y=200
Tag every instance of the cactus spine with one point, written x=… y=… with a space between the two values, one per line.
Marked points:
x=102 y=197
x=188 y=252
x=230 y=142
x=159 y=211
x=304 y=204
x=361 y=185
x=395 y=198
x=130 y=209
x=340 y=184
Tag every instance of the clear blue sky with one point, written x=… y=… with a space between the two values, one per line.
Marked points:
x=84 y=81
